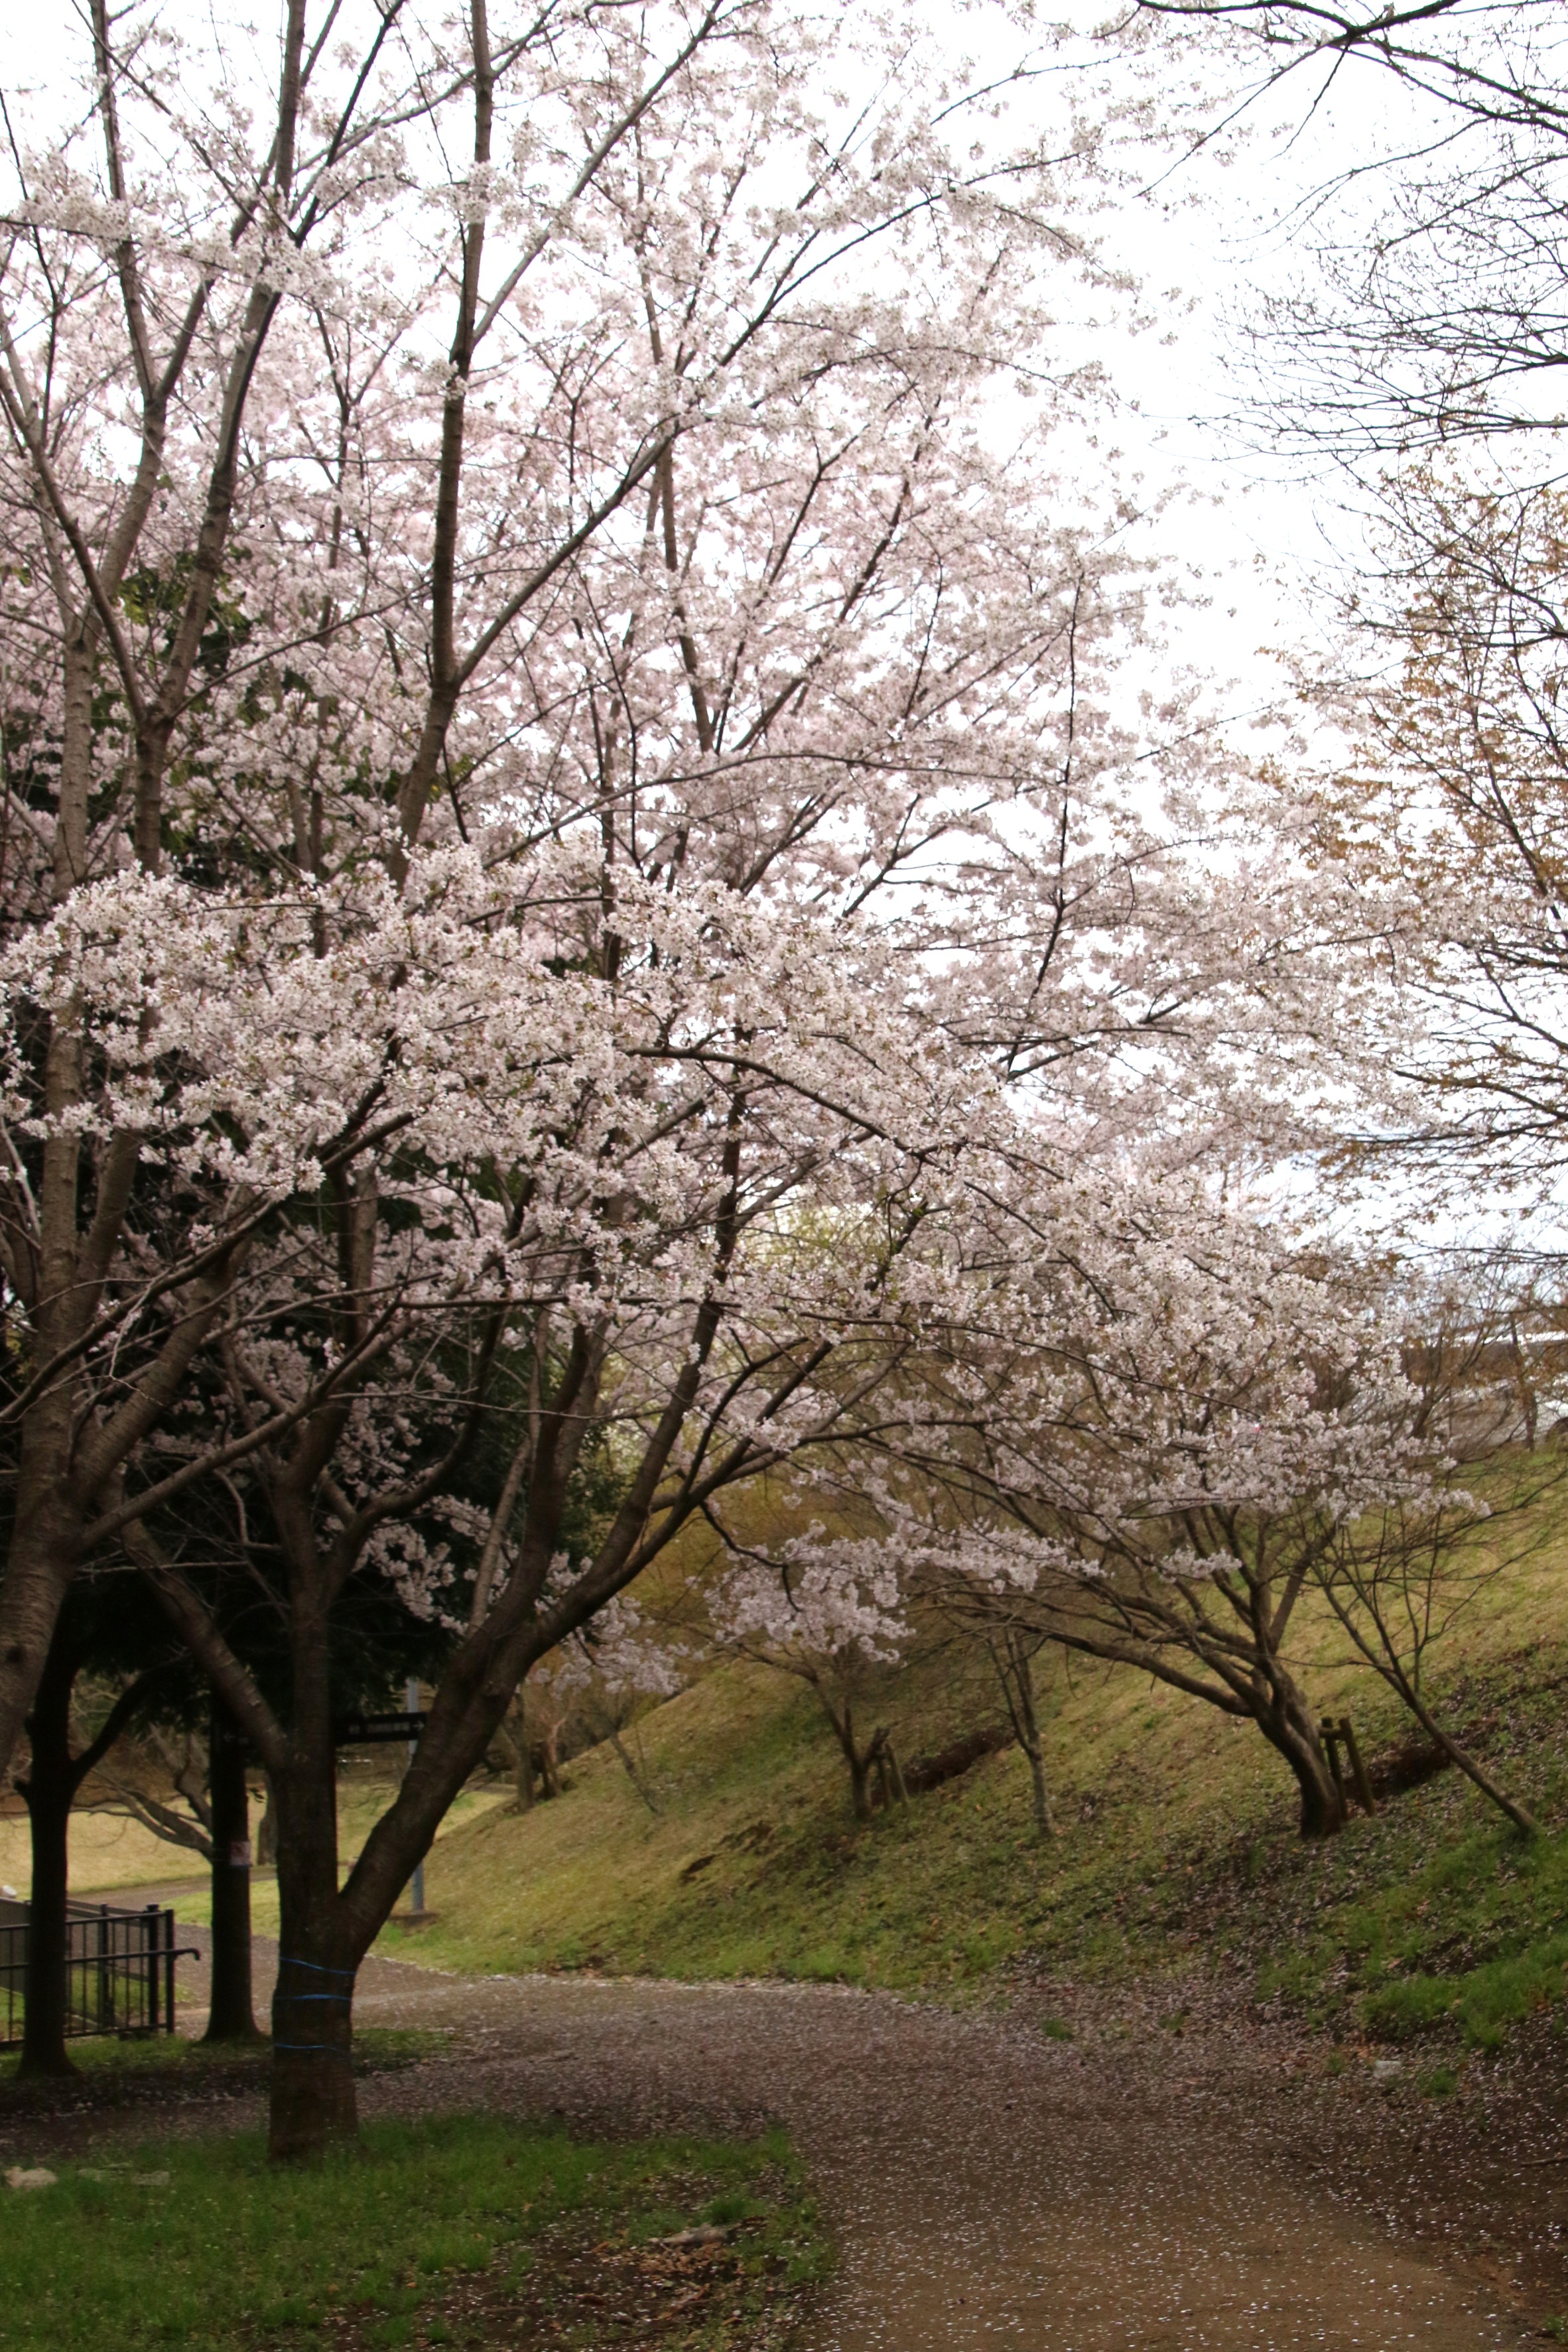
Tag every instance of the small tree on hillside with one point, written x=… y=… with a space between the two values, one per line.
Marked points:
x=1014 y=1648
x=832 y=1628
x=1396 y=1585
x=1150 y=1450
x=615 y=1668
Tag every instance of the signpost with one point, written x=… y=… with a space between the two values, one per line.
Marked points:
x=375 y=1730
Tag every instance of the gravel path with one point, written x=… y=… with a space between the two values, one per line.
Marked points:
x=990 y=2186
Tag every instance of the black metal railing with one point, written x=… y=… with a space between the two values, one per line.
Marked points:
x=120 y=1970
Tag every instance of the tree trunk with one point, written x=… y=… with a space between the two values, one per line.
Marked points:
x=1041 y=1793
x=1285 y=1721
x=231 y=2017
x=40 y=1561
x=312 y=2101
x=511 y=1739
x=859 y=1762
x=859 y=1782
x=48 y=1789
x=266 y=1835
x=634 y=1775
x=1015 y=1664
x=1520 y=1815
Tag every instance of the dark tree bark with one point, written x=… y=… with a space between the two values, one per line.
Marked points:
x=862 y=1761
x=49 y=1790
x=313 y=2101
x=544 y=1757
x=266 y=1835
x=54 y=1778
x=232 y=2016
x=1286 y=1722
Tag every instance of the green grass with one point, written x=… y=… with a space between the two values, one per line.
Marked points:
x=1177 y=1834
x=1177 y=1845
x=202 y=2245
x=747 y=1773
x=1432 y=1919
x=364 y=1792
x=1177 y=1842
x=112 y=1855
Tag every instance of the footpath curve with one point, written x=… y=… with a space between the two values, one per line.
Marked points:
x=993 y=2188
x=988 y=2185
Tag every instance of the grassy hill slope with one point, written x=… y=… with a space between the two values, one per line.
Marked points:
x=1176 y=1832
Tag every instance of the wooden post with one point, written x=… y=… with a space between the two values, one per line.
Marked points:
x=170 y=1956
x=1358 y=1770
x=896 y=1769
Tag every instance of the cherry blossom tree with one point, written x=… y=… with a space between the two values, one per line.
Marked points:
x=142 y=287
x=556 y=782
x=617 y=1664
x=1159 y=1431
x=199 y=322
x=826 y=1615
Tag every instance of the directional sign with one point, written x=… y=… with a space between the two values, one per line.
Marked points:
x=366 y=1730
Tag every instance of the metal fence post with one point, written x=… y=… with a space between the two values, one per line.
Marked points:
x=151 y=1926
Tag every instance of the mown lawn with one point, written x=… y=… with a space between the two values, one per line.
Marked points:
x=436 y=2233
x=111 y=1854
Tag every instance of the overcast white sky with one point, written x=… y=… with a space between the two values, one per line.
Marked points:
x=1202 y=242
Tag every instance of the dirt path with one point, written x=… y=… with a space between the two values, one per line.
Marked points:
x=990 y=2186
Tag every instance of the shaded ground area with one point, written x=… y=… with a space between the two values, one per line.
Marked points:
x=991 y=2183
x=686 y=2293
